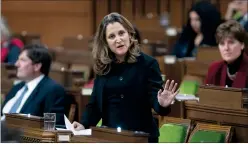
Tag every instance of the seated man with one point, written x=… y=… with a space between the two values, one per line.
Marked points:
x=37 y=94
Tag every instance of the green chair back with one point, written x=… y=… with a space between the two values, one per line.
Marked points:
x=99 y=123
x=189 y=87
x=208 y=137
x=173 y=133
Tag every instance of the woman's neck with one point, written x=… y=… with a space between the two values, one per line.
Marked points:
x=120 y=59
x=234 y=66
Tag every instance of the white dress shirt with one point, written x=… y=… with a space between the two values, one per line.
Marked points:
x=31 y=86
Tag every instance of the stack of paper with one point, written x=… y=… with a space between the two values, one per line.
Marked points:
x=70 y=127
x=183 y=97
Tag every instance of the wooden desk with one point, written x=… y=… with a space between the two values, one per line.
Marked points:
x=88 y=139
x=123 y=136
x=32 y=129
x=238 y=118
x=111 y=135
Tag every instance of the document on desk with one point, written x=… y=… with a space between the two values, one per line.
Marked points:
x=185 y=97
x=70 y=127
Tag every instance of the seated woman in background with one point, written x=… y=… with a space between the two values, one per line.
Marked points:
x=200 y=30
x=232 y=71
x=10 y=47
x=237 y=10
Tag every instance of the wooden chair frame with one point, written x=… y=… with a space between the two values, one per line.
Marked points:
x=212 y=127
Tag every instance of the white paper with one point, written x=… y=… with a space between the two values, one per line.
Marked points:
x=64 y=138
x=70 y=127
x=60 y=129
x=171 y=31
x=86 y=91
x=169 y=59
x=183 y=97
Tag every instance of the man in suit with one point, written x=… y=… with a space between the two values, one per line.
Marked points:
x=37 y=93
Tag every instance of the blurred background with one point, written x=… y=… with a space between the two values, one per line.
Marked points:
x=52 y=21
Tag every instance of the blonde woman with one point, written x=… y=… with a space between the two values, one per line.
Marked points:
x=128 y=82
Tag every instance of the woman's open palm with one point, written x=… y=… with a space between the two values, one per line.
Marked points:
x=166 y=96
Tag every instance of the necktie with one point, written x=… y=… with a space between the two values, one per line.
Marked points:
x=18 y=101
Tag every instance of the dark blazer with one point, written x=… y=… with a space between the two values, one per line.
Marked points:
x=47 y=97
x=217 y=73
x=144 y=80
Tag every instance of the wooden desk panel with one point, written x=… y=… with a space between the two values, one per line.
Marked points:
x=88 y=139
x=238 y=118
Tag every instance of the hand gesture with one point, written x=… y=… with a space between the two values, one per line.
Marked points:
x=77 y=126
x=166 y=96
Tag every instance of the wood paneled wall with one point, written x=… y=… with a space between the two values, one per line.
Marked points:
x=145 y=13
x=54 y=20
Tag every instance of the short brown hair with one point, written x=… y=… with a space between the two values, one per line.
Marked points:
x=233 y=29
x=102 y=55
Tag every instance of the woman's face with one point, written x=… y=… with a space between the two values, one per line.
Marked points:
x=230 y=49
x=118 y=39
x=195 y=21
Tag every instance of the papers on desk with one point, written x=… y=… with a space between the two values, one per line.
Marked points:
x=184 y=97
x=170 y=59
x=70 y=127
x=86 y=91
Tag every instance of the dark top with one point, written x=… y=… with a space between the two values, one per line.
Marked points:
x=228 y=81
x=112 y=95
x=131 y=93
x=13 y=54
x=232 y=69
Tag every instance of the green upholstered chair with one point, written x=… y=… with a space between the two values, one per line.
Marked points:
x=173 y=133
x=189 y=87
x=208 y=137
x=209 y=133
x=174 y=129
x=99 y=123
